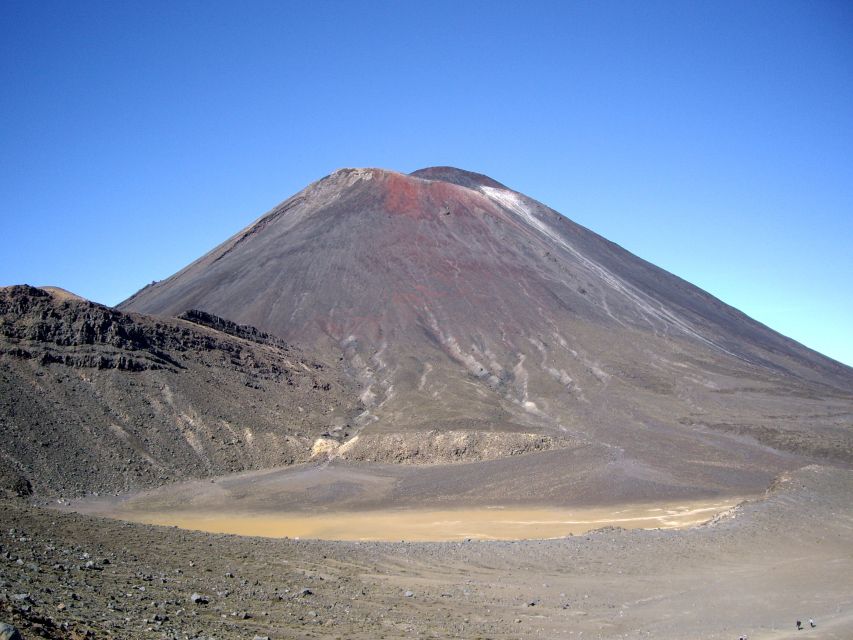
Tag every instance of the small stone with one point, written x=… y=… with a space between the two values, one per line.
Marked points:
x=305 y=592
x=197 y=598
x=8 y=632
x=409 y=594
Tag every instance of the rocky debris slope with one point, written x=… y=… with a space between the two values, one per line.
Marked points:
x=232 y=328
x=436 y=447
x=94 y=399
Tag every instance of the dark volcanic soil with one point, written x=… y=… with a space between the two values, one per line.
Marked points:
x=460 y=304
x=753 y=572
x=93 y=399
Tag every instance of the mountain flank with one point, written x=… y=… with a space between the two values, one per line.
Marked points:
x=459 y=304
x=380 y=318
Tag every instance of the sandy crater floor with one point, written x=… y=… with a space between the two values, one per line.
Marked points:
x=752 y=571
x=419 y=525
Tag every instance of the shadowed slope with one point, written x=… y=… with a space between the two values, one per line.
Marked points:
x=93 y=399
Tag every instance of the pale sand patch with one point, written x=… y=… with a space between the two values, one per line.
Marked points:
x=436 y=525
x=61 y=294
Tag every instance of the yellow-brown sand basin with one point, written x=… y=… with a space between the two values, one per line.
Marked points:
x=494 y=523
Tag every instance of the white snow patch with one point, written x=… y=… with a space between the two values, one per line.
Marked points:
x=470 y=362
x=513 y=202
x=422 y=381
x=368 y=397
x=599 y=373
x=560 y=375
x=521 y=376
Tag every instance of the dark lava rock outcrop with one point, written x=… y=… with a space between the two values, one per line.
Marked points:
x=94 y=399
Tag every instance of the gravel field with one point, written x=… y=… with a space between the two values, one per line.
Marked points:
x=753 y=571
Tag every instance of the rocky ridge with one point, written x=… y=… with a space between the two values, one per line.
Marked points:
x=93 y=399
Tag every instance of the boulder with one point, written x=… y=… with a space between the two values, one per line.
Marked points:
x=8 y=632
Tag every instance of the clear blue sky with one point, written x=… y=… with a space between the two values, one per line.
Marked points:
x=714 y=139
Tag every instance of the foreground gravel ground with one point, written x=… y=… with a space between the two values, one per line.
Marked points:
x=753 y=572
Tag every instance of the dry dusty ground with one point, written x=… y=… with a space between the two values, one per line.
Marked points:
x=427 y=525
x=564 y=479
x=340 y=500
x=752 y=572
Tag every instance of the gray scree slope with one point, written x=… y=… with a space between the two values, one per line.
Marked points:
x=457 y=303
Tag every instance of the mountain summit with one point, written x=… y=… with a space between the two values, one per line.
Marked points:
x=460 y=304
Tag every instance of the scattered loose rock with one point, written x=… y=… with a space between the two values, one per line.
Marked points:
x=8 y=632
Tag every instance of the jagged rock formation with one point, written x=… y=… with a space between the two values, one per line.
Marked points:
x=460 y=304
x=431 y=447
x=93 y=399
